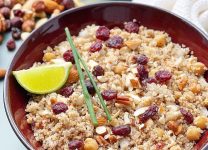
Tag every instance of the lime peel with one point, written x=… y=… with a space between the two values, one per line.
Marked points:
x=43 y=79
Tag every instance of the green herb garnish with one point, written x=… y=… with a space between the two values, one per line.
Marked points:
x=78 y=58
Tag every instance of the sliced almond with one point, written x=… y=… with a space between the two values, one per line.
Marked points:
x=140 y=111
x=101 y=130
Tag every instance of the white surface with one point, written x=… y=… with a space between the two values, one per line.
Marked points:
x=8 y=139
x=195 y=11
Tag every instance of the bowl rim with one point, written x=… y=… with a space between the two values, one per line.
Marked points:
x=5 y=86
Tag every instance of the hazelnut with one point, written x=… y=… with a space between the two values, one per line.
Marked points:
x=193 y=133
x=5 y=11
x=2 y=24
x=28 y=15
x=16 y=33
x=68 y=4
x=28 y=25
x=1 y=38
x=18 y=13
x=201 y=122
x=16 y=22
x=8 y=25
x=90 y=144
x=38 y=6
x=73 y=76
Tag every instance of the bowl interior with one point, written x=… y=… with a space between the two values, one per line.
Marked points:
x=108 y=14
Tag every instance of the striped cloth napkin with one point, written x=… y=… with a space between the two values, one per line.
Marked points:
x=195 y=11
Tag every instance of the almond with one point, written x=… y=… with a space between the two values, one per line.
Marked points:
x=102 y=121
x=101 y=130
x=73 y=75
x=2 y=73
x=52 y=5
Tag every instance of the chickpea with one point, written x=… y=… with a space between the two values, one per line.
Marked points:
x=201 y=122
x=193 y=133
x=198 y=68
x=90 y=144
x=195 y=88
x=48 y=56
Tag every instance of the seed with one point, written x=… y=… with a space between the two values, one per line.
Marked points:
x=16 y=22
x=59 y=107
x=16 y=33
x=187 y=115
x=97 y=46
x=76 y=145
x=68 y=56
x=11 y=45
x=109 y=95
x=90 y=87
x=122 y=130
x=5 y=11
x=103 y=33
x=66 y=91
x=149 y=113
x=115 y=42
x=142 y=72
x=98 y=71
x=142 y=59
x=131 y=27
x=163 y=76
x=18 y=13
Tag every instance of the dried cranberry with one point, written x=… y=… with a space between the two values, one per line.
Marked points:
x=59 y=107
x=149 y=113
x=68 y=56
x=122 y=130
x=16 y=22
x=163 y=75
x=5 y=11
x=90 y=87
x=97 y=46
x=206 y=75
x=187 y=115
x=103 y=33
x=98 y=71
x=142 y=72
x=18 y=13
x=115 y=42
x=75 y=145
x=149 y=80
x=131 y=27
x=142 y=59
x=16 y=33
x=11 y=45
x=68 y=4
x=109 y=95
x=66 y=91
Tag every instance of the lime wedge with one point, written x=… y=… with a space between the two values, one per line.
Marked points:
x=43 y=79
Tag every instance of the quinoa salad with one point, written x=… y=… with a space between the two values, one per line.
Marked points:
x=155 y=90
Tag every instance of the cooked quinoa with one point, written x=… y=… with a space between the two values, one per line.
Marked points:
x=168 y=128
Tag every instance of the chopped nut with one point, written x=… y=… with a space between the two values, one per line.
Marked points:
x=195 y=88
x=123 y=100
x=114 y=122
x=112 y=139
x=1 y=38
x=53 y=100
x=161 y=40
x=28 y=25
x=193 y=133
x=205 y=102
x=41 y=14
x=119 y=69
x=198 y=68
x=133 y=44
x=201 y=122
x=73 y=75
x=101 y=130
x=102 y=121
x=28 y=15
x=2 y=73
x=101 y=141
x=48 y=57
x=134 y=83
x=172 y=125
x=90 y=144
x=182 y=82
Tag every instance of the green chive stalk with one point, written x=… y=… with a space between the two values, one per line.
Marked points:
x=81 y=77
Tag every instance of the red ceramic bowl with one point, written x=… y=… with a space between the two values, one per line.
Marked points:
x=108 y=14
